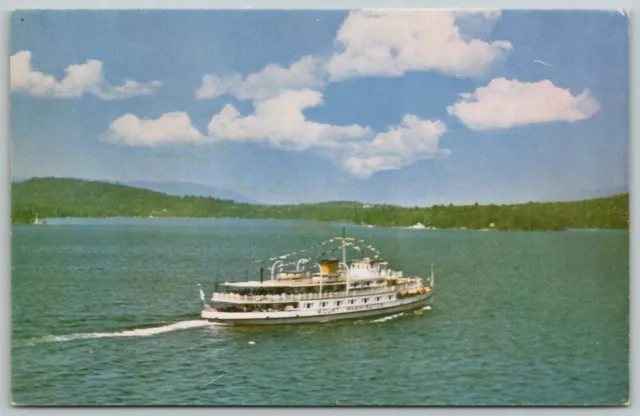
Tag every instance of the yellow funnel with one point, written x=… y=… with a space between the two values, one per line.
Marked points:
x=329 y=266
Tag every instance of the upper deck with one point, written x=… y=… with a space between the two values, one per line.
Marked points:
x=364 y=269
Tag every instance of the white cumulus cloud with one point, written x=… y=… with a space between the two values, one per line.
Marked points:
x=170 y=128
x=376 y=43
x=129 y=89
x=79 y=79
x=280 y=122
x=389 y=43
x=273 y=79
x=507 y=103
x=416 y=139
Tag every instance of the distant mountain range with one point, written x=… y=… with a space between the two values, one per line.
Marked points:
x=179 y=189
x=190 y=189
x=195 y=189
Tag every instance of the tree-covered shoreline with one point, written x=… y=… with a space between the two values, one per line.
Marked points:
x=56 y=197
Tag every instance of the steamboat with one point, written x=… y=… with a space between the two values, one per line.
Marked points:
x=310 y=290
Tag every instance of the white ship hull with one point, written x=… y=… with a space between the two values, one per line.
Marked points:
x=318 y=315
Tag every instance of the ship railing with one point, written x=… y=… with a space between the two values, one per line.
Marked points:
x=376 y=273
x=235 y=297
x=391 y=273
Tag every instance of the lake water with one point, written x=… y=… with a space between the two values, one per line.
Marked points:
x=106 y=312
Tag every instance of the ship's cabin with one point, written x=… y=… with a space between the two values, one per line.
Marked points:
x=366 y=267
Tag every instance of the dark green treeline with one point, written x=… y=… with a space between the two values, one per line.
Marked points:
x=55 y=197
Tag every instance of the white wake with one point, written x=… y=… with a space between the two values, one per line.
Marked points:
x=142 y=332
x=388 y=318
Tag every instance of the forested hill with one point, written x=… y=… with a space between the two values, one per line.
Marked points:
x=55 y=197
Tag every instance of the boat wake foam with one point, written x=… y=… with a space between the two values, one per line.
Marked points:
x=142 y=332
x=388 y=318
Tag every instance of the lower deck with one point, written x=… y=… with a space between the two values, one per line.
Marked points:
x=317 y=312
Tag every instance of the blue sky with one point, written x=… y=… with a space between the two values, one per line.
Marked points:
x=290 y=106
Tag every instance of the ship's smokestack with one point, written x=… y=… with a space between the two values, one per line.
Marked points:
x=261 y=274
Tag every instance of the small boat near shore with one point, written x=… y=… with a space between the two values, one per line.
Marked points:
x=319 y=290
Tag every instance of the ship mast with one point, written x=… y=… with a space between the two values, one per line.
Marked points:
x=344 y=257
x=344 y=246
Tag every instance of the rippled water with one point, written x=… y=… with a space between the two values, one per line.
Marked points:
x=106 y=312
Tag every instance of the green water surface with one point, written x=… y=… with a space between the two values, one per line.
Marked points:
x=106 y=312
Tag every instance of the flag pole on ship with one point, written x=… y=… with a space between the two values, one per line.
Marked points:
x=202 y=296
x=344 y=246
x=432 y=276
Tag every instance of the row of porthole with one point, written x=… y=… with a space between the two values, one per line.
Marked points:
x=338 y=303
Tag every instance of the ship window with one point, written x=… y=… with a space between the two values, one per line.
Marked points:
x=324 y=304
x=378 y=299
x=338 y=303
x=365 y=300
x=351 y=301
x=390 y=296
x=307 y=305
